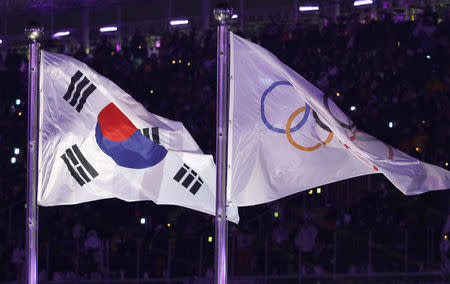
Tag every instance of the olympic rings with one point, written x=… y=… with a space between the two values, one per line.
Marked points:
x=263 y=115
x=298 y=146
x=306 y=109
x=288 y=129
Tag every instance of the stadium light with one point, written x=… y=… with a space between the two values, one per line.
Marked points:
x=1 y=41
x=13 y=160
x=108 y=29
x=143 y=221
x=391 y=124
x=362 y=2
x=235 y=16
x=60 y=34
x=308 y=8
x=18 y=102
x=352 y=108
x=179 y=22
x=16 y=151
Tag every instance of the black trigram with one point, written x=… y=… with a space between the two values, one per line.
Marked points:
x=189 y=179
x=78 y=166
x=155 y=134
x=73 y=97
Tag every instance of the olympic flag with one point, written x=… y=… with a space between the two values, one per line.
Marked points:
x=97 y=142
x=286 y=136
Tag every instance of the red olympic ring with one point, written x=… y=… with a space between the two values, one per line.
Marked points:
x=360 y=138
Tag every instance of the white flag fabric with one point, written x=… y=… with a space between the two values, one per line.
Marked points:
x=287 y=136
x=97 y=142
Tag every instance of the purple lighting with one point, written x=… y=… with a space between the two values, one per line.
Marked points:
x=60 y=34
x=308 y=8
x=179 y=22
x=117 y=47
x=362 y=2
x=108 y=29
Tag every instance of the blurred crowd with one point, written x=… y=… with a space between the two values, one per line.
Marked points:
x=391 y=78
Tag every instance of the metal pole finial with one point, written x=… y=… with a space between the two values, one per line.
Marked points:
x=223 y=14
x=34 y=33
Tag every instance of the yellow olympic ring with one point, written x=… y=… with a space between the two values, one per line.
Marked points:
x=293 y=143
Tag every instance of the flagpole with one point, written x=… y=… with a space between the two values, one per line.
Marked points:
x=33 y=34
x=221 y=15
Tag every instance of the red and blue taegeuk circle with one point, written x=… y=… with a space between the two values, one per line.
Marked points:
x=118 y=138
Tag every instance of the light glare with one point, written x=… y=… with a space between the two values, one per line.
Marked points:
x=142 y=220
x=362 y=2
x=179 y=22
x=308 y=8
x=108 y=29
x=61 y=34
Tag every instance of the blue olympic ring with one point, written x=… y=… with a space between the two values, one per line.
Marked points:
x=263 y=115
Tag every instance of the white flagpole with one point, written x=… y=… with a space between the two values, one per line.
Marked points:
x=223 y=59
x=33 y=34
